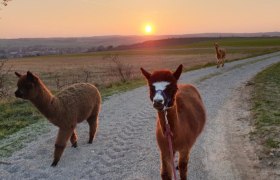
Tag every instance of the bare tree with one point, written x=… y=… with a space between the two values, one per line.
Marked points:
x=5 y=2
x=87 y=74
x=3 y=78
x=119 y=69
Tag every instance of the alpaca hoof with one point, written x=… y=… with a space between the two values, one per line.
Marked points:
x=54 y=163
x=75 y=144
x=90 y=142
x=223 y=65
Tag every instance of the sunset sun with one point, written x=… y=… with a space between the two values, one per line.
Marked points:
x=148 y=29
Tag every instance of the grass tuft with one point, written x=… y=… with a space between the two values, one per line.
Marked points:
x=16 y=114
x=266 y=106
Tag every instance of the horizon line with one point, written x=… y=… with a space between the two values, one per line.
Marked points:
x=131 y=35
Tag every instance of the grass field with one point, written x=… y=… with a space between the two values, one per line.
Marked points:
x=241 y=42
x=182 y=43
x=57 y=71
x=266 y=107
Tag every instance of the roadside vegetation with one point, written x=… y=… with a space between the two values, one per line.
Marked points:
x=266 y=109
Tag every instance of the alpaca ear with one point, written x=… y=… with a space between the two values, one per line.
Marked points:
x=18 y=75
x=31 y=76
x=178 y=72
x=146 y=73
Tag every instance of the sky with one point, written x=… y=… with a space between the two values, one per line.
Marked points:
x=77 y=18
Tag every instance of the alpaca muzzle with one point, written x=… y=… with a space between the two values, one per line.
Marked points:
x=160 y=100
x=158 y=104
x=18 y=94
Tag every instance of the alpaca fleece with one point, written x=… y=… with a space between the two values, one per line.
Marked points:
x=74 y=104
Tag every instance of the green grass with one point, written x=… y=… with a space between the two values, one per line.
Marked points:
x=16 y=114
x=271 y=143
x=239 y=42
x=266 y=106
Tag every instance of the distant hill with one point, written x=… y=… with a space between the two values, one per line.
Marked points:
x=260 y=34
x=165 y=43
x=87 y=42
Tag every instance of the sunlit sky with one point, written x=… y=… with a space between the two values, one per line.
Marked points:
x=68 y=18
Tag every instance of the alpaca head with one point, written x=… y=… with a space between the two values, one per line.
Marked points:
x=216 y=44
x=163 y=86
x=27 y=86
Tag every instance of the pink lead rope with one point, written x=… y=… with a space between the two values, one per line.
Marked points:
x=168 y=134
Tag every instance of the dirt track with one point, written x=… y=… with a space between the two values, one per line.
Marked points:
x=125 y=145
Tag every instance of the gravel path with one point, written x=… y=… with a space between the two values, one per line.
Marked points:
x=125 y=145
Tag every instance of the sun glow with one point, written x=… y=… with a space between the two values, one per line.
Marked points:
x=148 y=29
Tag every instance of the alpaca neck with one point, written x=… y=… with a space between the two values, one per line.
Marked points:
x=172 y=119
x=217 y=50
x=44 y=101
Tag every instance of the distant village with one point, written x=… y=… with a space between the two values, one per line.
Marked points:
x=7 y=53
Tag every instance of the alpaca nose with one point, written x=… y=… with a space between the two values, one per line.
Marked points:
x=158 y=101
x=18 y=94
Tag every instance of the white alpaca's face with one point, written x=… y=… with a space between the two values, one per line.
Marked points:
x=159 y=89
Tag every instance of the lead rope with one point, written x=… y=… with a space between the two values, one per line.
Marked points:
x=168 y=134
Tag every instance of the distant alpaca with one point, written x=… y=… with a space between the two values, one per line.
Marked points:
x=69 y=107
x=185 y=114
x=221 y=55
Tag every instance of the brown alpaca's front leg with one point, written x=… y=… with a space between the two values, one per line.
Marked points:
x=60 y=144
x=74 y=139
x=166 y=167
x=183 y=164
x=223 y=62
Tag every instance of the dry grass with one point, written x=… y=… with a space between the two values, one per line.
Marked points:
x=57 y=71
x=4 y=72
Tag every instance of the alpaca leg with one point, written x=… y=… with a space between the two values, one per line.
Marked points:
x=74 y=139
x=183 y=164
x=223 y=62
x=60 y=144
x=166 y=167
x=218 y=63
x=93 y=122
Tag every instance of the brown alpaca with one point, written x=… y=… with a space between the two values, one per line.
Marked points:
x=185 y=114
x=69 y=107
x=221 y=55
